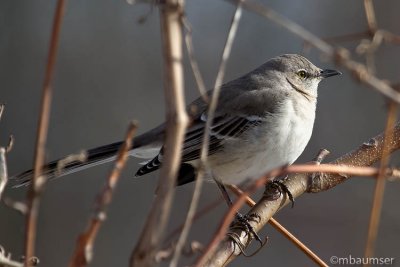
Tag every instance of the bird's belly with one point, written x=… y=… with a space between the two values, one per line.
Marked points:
x=264 y=149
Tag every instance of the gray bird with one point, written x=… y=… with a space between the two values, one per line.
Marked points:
x=263 y=120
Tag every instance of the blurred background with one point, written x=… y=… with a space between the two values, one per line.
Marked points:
x=109 y=71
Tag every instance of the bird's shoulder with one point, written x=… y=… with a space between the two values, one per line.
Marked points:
x=251 y=95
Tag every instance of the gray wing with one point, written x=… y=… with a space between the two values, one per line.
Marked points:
x=224 y=127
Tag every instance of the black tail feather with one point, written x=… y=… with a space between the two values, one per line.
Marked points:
x=54 y=169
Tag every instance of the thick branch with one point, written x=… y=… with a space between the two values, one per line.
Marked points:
x=367 y=154
x=274 y=223
x=177 y=120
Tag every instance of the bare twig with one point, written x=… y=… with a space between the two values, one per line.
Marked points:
x=380 y=182
x=2 y=106
x=391 y=38
x=345 y=37
x=340 y=56
x=206 y=138
x=62 y=163
x=10 y=144
x=177 y=120
x=167 y=253
x=5 y=258
x=371 y=19
x=15 y=205
x=387 y=37
x=38 y=180
x=3 y=161
x=3 y=171
x=5 y=262
x=322 y=154
x=192 y=59
x=297 y=184
x=200 y=213
x=274 y=223
x=84 y=248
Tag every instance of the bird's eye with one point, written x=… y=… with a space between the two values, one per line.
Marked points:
x=302 y=74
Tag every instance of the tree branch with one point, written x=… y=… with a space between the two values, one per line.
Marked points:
x=84 y=248
x=339 y=56
x=349 y=164
x=38 y=180
x=206 y=136
x=371 y=19
x=380 y=182
x=177 y=120
x=274 y=223
x=3 y=171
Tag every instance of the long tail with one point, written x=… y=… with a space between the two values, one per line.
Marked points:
x=146 y=146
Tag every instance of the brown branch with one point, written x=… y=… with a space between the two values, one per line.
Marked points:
x=206 y=136
x=372 y=30
x=298 y=184
x=340 y=56
x=281 y=229
x=274 y=223
x=177 y=120
x=84 y=248
x=380 y=182
x=192 y=59
x=38 y=180
x=371 y=19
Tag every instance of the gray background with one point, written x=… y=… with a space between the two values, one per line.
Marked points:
x=109 y=71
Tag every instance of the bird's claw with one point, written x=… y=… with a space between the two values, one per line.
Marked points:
x=280 y=187
x=243 y=221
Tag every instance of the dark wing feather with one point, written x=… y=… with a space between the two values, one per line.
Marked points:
x=224 y=127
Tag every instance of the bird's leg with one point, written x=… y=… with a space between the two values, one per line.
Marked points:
x=243 y=220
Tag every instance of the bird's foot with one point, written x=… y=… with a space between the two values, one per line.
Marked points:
x=243 y=222
x=275 y=188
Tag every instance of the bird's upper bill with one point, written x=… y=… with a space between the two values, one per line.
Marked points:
x=329 y=73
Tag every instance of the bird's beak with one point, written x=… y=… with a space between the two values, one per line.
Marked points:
x=329 y=73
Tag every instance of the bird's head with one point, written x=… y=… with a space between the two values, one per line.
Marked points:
x=299 y=73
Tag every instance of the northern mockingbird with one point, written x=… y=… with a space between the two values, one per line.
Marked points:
x=264 y=120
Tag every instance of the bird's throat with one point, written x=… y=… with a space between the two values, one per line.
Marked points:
x=303 y=92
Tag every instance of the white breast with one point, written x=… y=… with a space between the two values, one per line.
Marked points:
x=278 y=141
